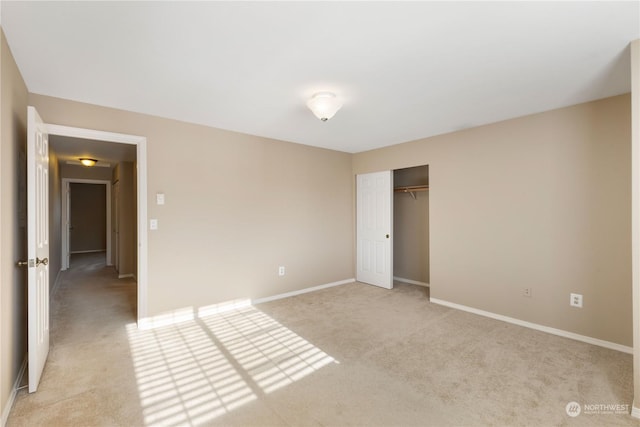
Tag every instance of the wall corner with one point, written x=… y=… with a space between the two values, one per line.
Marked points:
x=635 y=217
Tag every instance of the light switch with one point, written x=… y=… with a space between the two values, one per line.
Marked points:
x=153 y=224
x=160 y=198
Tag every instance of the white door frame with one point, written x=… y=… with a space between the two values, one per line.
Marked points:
x=141 y=175
x=66 y=239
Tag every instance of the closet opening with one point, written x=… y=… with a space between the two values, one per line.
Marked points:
x=411 y=227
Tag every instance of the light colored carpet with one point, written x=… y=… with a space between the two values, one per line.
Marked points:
x=354 y=355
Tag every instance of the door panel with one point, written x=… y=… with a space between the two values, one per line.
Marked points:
x=374 y=226
x=37 y=245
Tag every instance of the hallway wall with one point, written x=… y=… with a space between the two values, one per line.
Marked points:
x=82 y=172
x=55 y=219
x=124 y=174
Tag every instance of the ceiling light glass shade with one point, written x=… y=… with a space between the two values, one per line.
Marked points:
x=88 y=162
x=324 y=105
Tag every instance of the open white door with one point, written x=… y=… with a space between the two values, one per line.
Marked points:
x=374 y=226
x=38 y=245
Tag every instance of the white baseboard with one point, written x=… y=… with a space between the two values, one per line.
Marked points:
x=188 y=314
x=14 y=391
x=535 y=326
x=165 y=319
x=411 y=282
x=635 y=412
x=92 y=251
x=126 y=276
x=301 y=291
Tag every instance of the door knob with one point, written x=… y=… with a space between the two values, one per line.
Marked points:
x=44 y=261
x=23 y=263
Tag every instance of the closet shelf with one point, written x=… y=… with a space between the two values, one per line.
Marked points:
x=411 y=189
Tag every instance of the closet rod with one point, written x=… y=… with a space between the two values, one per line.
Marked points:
x=411 y=189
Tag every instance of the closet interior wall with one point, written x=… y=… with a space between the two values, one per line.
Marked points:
x=411 y=225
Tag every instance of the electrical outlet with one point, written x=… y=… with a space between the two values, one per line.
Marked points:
x=576 y=300
x=281 y=270
x=527 y=292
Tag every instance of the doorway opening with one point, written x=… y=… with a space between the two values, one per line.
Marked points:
x=392 y=227
x=42 y=215
x=98 y=211
x=123 y=167
x=411 y=226
x=86 y=219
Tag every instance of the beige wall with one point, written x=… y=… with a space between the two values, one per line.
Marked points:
x=55 y=219
x=541 y=201
x=237 y=207
x=13 y=119
x=88 y=215
x=5 y=373
x=635 y=151
x=411 y=226
x=124 y=175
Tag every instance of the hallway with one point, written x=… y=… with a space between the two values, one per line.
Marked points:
x=89 y=369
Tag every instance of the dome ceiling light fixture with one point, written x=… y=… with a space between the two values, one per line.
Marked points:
x=87 y=161
x=324 y=105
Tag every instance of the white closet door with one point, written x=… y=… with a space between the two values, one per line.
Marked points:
x=374 y=226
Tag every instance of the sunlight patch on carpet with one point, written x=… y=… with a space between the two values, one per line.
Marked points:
x=193 y=371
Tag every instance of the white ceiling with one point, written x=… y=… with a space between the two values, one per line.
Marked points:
x=405 y=70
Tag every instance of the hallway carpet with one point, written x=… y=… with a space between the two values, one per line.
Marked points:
x=353 y=355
